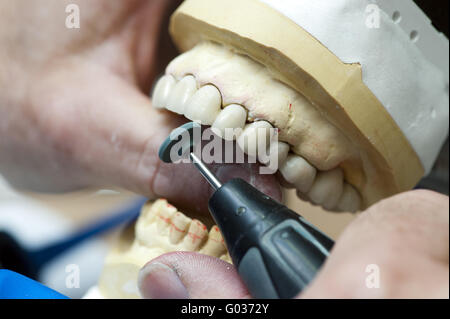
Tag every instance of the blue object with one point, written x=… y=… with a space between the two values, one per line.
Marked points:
x=16 y=286
x=29 y=262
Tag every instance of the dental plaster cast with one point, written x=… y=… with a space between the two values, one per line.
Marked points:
x=358 y=98
x=160 y=229
x=360 y=104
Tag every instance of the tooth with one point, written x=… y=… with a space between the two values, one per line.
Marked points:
x=148 y=212
x=297 y=171
x=283 y=182
x=164 y=217
x=327 y=188
x=204 y=105
x=181 y=93
x=215 y=245
x=162 y=91
x=231 y=117
x=279 y=149
x=350 y=200
x=255 y=138
x=179 y=227
x=196 y=235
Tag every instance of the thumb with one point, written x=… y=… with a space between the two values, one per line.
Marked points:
x=176 y=276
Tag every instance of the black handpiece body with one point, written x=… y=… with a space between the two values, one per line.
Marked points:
x=276 y=251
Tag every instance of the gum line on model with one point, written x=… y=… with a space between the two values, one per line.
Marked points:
x=356 y=122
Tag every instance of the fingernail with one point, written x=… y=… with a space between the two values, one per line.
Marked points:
x=159 y=281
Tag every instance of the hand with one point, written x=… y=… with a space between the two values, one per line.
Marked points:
x=406 y=237
x=74 y=106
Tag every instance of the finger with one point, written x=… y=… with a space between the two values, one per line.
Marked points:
x=190 y=275
x=107 y=133
x=396 y=249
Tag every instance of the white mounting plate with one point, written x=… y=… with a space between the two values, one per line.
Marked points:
x=433 y=44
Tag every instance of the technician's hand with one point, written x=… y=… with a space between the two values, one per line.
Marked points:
x=74 y=106
x=403 y=239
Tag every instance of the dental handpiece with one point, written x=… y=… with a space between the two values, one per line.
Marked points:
x=276 y=252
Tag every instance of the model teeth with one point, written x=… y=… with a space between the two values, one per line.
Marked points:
x=179 y=227
x=278 y=152
x=255 y=139
x=162 y=91
x=230 y=122
x=159 y=229
x=350 y=200
x=164 y=219
x=196 y=235
x=181 y=94
x=162 y=225
x=327 y=188
x=204 y=106
x=215 y=246
x=298 y=172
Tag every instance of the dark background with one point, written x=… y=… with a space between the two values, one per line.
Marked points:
x=437 y=10
x=438 y=180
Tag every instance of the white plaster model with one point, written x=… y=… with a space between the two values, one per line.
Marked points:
x=412 y=89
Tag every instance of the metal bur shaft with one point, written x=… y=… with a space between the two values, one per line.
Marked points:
x=207 y=174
